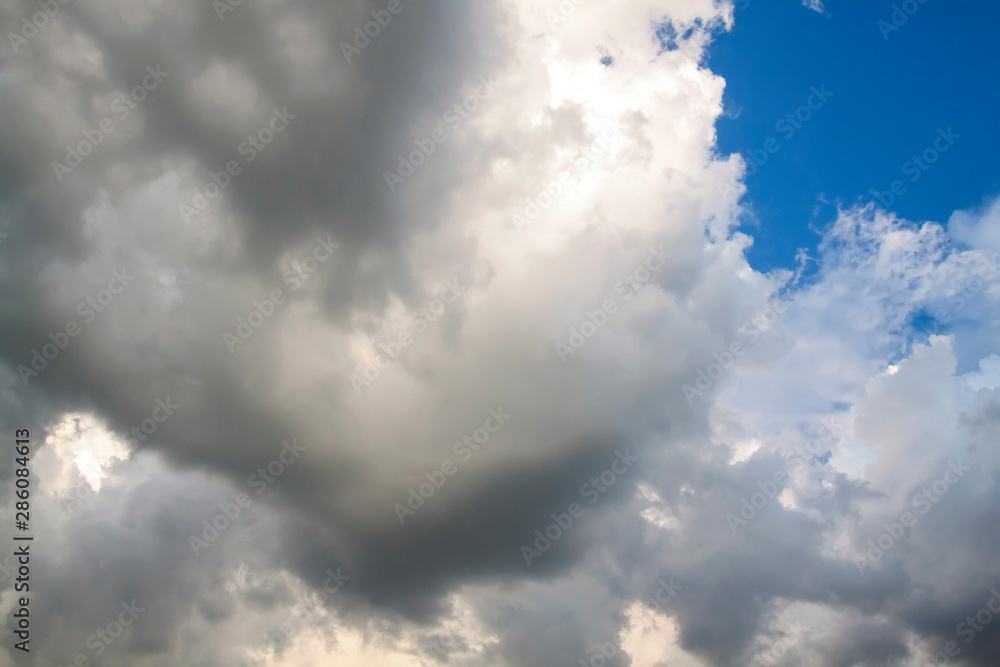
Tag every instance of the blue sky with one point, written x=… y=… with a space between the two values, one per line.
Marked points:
x=890 y=97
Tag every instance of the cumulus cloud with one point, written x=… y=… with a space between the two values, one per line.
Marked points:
x=555 y=281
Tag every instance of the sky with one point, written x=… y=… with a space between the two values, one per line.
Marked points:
x=892 y=90
x=483 y=334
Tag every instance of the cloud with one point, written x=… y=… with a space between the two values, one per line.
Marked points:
x=815 y=5
x=452 y=581
x=977 y=227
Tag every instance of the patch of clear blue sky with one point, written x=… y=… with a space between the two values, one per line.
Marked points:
x=939 y=70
